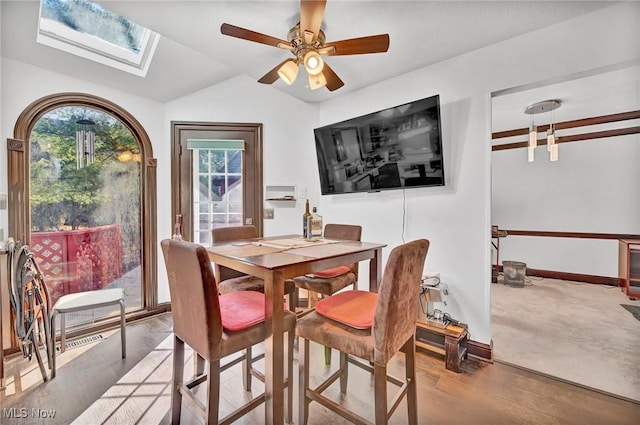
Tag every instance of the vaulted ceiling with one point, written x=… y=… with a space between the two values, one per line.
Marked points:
x=193 y=54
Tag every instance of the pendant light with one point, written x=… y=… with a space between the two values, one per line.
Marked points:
x=552 y=143
x=533 y=140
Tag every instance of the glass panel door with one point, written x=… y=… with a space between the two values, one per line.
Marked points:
x=218 y=190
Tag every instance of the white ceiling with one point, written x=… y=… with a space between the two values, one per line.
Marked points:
x=192 y=54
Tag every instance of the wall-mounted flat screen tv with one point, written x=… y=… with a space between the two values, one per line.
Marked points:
x=395 y=148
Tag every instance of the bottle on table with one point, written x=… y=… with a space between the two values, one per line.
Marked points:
x=177 y=228
x=305 y=221
x=316 y=224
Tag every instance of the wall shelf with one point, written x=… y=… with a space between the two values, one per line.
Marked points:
x=279 y=193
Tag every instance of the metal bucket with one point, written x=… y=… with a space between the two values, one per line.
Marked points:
x=514 y=273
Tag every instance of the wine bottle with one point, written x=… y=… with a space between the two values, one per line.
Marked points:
x=316 y=224
x=177 y=228
x=305 y=220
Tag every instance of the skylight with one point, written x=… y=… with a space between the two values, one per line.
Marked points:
x=88 y=30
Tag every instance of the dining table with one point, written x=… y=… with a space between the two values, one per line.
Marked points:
x=274 y=260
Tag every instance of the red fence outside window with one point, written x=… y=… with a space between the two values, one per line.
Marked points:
x=79 y=260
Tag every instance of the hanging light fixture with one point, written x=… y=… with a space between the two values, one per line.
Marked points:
x=317 y=81
x=313 y=63
x=85 y=143
x=289 y=71
x=533 y=140
x=552 y=143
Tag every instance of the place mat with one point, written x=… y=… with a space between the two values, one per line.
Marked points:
x=325 y=250
x=244 y=250
x=299 y=242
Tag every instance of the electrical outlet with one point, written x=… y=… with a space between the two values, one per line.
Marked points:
x=268 y=213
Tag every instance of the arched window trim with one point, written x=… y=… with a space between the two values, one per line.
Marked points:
x=18 y=162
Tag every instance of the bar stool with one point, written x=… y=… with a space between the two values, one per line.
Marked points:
x=86 y=300
x=328 y=282
x=214 y=326
x=373 y=327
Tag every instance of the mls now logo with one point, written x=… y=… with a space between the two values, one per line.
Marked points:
x=23 y=412
x=15 y=412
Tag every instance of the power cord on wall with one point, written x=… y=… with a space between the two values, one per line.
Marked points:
x=404 y=212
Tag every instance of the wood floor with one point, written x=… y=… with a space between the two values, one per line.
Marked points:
x=97 y=387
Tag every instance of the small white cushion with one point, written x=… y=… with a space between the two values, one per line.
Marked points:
x=88 y=299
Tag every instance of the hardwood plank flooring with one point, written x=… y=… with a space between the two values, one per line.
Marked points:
x=97 y=387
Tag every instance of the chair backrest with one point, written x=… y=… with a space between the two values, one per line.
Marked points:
x=348 y=232
x=194 y=296
x=229 y=234
x=395 y=317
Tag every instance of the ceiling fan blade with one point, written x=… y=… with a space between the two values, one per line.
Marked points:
x=311 y=14
x=357 y=46
x=245 y=34
x=333 y=81
x=272 y=76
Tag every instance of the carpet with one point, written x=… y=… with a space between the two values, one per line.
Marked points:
x=633 y=309
x=576 y=332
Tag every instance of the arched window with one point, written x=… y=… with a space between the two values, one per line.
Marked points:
x=81 y=174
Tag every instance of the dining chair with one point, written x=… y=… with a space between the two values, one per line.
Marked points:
x=328 y=282
x=230 y=280
x=214 y=326
x=372 y=327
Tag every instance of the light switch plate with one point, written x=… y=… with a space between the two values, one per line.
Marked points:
x=268 y=213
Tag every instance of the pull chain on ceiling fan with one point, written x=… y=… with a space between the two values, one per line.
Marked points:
x=306 y=41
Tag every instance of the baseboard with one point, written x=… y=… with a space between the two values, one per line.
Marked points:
x=480 y=350
x=574 y=277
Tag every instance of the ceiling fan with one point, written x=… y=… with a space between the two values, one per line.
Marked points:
x=306 y=41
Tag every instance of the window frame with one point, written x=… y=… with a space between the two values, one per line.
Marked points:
x=18 y=163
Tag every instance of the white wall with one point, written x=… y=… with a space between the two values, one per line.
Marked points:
x=594 y=187
x=288 y=146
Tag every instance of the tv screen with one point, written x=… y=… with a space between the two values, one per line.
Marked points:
x=394 y=148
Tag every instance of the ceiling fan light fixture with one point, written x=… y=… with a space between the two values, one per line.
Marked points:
x=288 y=72
x=317 y=81
x=313 y=63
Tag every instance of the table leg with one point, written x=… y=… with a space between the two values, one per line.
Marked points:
x=274 y=349
x=375 y=268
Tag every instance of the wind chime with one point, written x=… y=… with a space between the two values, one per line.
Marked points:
x=85 y=143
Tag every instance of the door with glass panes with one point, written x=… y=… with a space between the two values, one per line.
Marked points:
x=217 y=177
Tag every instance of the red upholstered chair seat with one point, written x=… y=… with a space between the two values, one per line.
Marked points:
x=242 y=309
x=333 y=272
x=352 y=308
